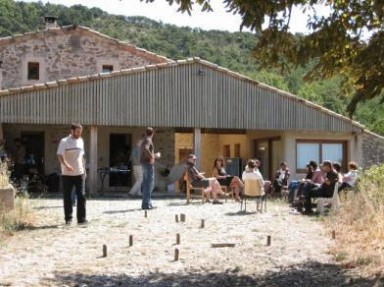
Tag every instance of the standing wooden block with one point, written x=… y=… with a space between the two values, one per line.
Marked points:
x=269 y=239
x=333 y=234
x=130 y=240
x=202 y=223
x=145 y=214
x=178 y=238
x=176 y=218
x=176 y=254
x=105 y=250
x=182 y=217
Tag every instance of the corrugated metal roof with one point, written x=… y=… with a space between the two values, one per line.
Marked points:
x=188 y=93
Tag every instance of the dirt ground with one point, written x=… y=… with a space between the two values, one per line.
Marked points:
x=53 y=254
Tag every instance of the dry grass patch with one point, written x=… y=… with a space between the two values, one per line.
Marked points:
x=359 y=225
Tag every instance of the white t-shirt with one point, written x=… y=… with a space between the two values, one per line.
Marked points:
x=73 y=152
x=255 y=174
x=351 y=177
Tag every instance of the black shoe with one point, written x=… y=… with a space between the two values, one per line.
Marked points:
x=217 y=202
x=68 y=222
x=83 y=222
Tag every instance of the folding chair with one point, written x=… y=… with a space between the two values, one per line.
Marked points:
x=253 y=188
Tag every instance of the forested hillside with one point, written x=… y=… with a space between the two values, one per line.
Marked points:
x=231 y=50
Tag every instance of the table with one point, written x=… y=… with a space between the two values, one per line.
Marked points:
x=103 y=172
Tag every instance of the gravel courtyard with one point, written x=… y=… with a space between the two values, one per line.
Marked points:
x=52 y=254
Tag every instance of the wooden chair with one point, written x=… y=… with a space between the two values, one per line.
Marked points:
x=253 y=189
x=334 y=201
x=189 y=188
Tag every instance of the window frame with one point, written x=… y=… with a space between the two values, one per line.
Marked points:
x=344 y=144
x=30 y=65
x=105 y=66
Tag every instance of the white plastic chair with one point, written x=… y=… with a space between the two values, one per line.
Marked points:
x=253 y=188
x=334 y=201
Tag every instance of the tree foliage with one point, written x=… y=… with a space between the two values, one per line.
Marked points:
x=347 y=41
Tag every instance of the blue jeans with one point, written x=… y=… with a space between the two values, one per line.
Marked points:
x=148 y=184
x=294 y=184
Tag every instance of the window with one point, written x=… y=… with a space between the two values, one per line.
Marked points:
x=319 y=151
x=33 y=71
x=227 y=151
x=107 y=68
x=237 y=150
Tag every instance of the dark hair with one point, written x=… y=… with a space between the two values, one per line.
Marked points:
x=336 y=166
x=149 y=131
x=75 y=126
x=313 y=164
x=219 y=158
x=327 y=163
x=283 y=163
x=251 y=163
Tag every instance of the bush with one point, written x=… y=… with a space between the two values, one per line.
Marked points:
x=359 y=224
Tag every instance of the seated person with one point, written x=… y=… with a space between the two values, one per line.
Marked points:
x=267 y=183
x=196 y=179
x=225 y=179
x=281 y=177
x=337 y=167
x=349 y=179
x=252 y=172
x=295 y=184
x=326 y=189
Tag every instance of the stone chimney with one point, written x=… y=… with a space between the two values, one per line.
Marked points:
x=1 y=75
x=50 y=22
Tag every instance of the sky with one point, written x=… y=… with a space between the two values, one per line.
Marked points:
x=160 y=10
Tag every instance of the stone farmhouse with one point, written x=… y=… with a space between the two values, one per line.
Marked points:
x=51 y=78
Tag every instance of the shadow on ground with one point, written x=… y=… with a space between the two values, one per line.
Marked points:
x=311 y=274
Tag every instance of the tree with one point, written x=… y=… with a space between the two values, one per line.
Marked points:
x=347 y=42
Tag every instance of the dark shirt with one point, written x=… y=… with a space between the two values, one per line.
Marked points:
x=309 y=175
x=221 y=171
x=193 y=174
x=333 y=177
x=147 y=155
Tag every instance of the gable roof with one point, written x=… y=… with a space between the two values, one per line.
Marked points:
x=186 y=93
x=74 y=29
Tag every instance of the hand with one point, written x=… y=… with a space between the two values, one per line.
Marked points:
x=69 y=168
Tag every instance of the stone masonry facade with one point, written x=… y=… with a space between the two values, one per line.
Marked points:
x=372 y=149
x=64 y=53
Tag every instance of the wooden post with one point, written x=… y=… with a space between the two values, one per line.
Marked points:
x=202 y=223
x=176 y=254
x=269 y=239
x=130 y=240
x=176 y=218
x=145 y=214
x=333 y=234
x=93 y=159
x=104 y=250
x=182 y=217
x=177 y=238
x=197 y=146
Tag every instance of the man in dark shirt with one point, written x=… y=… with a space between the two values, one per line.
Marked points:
x=196 y=179
x=324 y=190
x=147 y=159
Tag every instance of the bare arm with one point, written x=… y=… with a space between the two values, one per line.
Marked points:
x=64 y=162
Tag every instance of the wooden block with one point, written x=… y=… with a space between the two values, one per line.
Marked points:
x=182 y=217
x=221 y=245
x=333 y=234
x=176 y=254
x=145 y=214
x=269 y=239
x=105 y=250
x=176 y=218
x=130 y=240
x=178 y=238
x=202 y=223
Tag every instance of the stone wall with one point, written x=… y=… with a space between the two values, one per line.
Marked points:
x=64 y=53
x=373 y=149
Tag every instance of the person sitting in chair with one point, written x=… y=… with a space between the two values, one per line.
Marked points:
x=350 y=178
x=252 y=173
x=281 y=178
x=225 y=179
x=211 y=185
x=326 y=189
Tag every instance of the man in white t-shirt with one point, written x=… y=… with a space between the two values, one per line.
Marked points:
x=71 y=157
